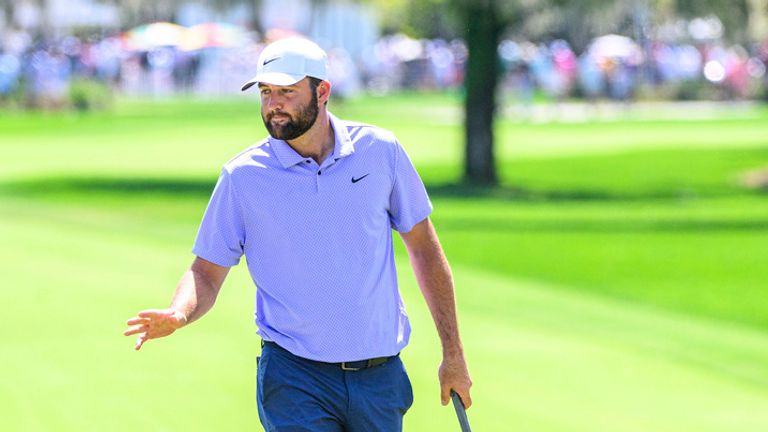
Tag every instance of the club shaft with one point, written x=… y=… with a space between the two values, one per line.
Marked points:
x=461 y=413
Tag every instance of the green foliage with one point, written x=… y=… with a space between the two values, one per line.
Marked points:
x=697 y=90
x=577 y=22
x=419 y=18
x=16 y=99
x=89 y=95
x=734 y=14
x=432 y=19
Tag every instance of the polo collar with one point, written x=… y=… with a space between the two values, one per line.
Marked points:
x=343 y=145
x=285 y=153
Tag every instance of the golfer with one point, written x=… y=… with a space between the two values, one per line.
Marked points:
x=312 y=208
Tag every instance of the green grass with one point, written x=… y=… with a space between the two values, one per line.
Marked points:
x=615 y=281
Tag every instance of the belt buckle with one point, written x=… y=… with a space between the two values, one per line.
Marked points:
x=344 y=367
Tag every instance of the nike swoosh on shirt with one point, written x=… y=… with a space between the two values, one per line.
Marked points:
x=266 y=62
x=355 y=180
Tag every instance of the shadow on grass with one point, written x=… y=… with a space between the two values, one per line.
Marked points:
x=624 y=224
x=192 y=187
x=522 y=194
x=172 y=187
x=201 y=188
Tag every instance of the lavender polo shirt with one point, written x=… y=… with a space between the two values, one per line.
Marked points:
x=318 y=240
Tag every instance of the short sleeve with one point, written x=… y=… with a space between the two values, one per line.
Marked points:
x=408 y=203
x=221 y=236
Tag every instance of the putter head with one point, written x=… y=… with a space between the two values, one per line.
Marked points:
x=461 y=412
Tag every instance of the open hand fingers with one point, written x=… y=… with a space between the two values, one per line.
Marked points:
x=140 y=341
x=154 y=323
x=137 y=324
x=144 y=321
x=137 y=320
x=140 y=328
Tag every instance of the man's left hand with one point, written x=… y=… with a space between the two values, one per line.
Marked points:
x=454 y=375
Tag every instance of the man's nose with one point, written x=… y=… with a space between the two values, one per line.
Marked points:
x=274 y=102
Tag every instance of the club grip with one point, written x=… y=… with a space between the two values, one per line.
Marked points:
x=461 y=413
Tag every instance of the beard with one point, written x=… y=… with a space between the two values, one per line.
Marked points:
x=296 y=125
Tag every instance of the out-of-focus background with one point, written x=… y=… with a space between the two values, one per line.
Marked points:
x=612 y=50
x=599 y=172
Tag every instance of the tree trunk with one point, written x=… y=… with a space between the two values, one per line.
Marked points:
x=483 y=31
x=758 y=19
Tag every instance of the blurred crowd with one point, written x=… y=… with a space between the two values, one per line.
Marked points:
x=611 y=67
x=617 y=68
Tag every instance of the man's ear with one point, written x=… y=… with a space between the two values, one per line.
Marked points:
x=323 y=92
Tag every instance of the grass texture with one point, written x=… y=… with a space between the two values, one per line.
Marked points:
x=614 y=281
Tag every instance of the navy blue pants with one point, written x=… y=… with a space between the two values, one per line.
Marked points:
x=295 y=394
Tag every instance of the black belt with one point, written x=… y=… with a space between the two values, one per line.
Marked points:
x=363 y=364
x=346 y=366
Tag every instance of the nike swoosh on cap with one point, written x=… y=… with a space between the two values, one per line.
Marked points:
x=266 y=62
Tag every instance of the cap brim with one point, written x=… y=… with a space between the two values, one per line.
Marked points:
x=274 y=78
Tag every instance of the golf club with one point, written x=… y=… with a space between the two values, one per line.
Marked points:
x=461 y=413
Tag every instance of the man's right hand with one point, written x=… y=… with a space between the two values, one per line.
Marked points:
x=153 y=324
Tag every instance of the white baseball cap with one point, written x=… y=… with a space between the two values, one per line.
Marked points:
x=287 y=61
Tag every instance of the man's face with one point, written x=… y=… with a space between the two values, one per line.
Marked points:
x=288 y=111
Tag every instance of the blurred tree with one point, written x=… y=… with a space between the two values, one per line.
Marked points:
x=8 y=11
x=580 y=22
x=758 y=19
x=733 y=14
x=42 y=29
x=416 y=18
x=481 y=23
x=484 y=24
x=135 y=12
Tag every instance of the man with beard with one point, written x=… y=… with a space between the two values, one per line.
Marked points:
x=312 y=208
